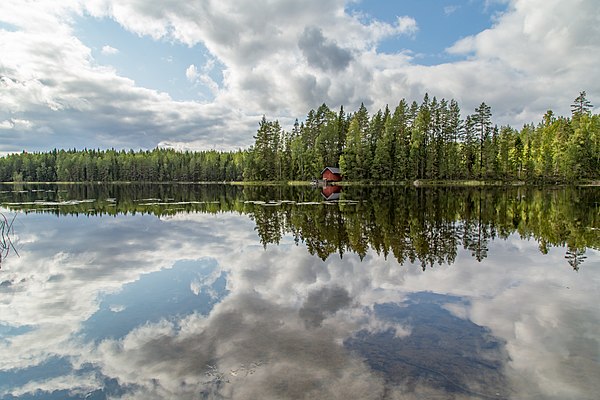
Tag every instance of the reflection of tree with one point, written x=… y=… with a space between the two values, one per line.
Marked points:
x=320 y=229
x=425 y=226
x=575 y=257
x=422 y=225
x=358 y=241
x=476 y=232
x=268 y=225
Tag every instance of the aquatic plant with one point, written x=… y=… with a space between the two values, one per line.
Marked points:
x=6 y=243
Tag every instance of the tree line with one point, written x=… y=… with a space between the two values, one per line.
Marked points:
x=430 y=140
x=158 y=165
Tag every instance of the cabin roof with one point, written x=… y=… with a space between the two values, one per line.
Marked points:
x=333 y=170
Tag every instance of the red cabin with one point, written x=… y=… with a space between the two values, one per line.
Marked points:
x=331 y=174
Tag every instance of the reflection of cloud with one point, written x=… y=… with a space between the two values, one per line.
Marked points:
x=286 y=309
x=242 y=330
x=70 y=385
x=538 y=306
x=552 y=339
x=58 y=279
x=116 y=308
x=447 y=352
x=159 y=295
x=321 y=303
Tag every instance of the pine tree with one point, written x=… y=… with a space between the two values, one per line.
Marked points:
x=342 y=124
x=399 y=125
x=469 y=147
x=351 y=162
x=265 y=150
x=419 y=138
x=453 y=127
x=581 y=105
x=482 y=120
x=382 y=168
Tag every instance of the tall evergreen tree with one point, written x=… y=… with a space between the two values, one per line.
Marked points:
x=351 y=162
x=482 y=120
x=382 y=168
x=581 y=105
x=453 y=132
x=400 y=127
x=469 y=147
x=419 y=138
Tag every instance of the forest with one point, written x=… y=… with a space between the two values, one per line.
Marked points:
x=430 y=141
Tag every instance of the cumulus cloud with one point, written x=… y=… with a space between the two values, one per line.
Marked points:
x=407 y=25
x=281 y=59
x=322 y=53
x=191 y=73
x=202 y=76
x=404 y=26
x=539 y=54
x=15 y=123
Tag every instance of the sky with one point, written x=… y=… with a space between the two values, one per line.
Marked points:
x=199 y=75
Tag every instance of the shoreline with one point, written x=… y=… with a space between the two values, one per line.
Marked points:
x=415 y=183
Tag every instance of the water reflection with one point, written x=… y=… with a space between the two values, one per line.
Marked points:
x=203 y=304
x=189 y=286
x=410 y=224
x=331 y=192
x=447 y=353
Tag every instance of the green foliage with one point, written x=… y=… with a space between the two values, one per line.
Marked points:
x=426 y=141
x=157 y=165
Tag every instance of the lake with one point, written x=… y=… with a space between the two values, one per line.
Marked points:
x=277 y=292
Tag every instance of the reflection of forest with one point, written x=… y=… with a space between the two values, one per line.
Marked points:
x=428 y=225
x=424 y=225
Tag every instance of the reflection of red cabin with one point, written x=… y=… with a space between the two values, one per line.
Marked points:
x=331 y=192
x=331 y=174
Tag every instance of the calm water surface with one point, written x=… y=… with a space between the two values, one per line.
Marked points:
x=214 y=292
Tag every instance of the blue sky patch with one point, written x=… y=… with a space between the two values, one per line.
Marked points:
x=154 y=64
x=441 y=24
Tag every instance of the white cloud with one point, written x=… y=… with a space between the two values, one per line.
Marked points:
x=191 y=73
x=407 y=25
x=109 y=50
x=202 y=77
x=448 y=10
x=15 y=124
x=537 y=55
